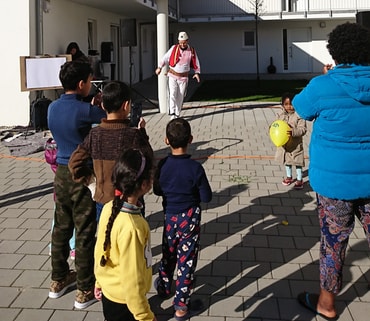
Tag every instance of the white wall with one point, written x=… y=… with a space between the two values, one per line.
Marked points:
x=220 y=50
x=15 y=104
x=219 y=46
x=68 y=21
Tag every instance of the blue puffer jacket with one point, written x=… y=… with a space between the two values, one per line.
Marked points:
x=339 y=104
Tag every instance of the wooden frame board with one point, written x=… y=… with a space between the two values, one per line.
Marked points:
x=41 y=72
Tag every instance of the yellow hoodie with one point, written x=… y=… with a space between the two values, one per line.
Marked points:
x=126 y=278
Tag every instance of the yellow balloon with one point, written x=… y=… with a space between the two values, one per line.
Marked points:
x=278 y=132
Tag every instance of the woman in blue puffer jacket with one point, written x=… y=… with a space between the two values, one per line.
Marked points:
x=339 y=170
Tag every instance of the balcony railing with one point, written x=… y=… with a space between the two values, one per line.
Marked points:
x=268 y=9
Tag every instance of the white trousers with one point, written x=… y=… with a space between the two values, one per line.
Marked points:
x=177 y=92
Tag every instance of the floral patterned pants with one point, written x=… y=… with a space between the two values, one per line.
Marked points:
x=337 y=220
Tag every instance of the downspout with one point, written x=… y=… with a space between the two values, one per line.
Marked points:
x=39 y=27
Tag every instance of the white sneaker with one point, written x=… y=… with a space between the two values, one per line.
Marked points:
x=58 y=288
x=84 y=299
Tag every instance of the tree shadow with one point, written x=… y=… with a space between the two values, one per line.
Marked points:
x=201 y=155
x=223 y=197
x=26 y=194
x=279 y=297
x=237 y=271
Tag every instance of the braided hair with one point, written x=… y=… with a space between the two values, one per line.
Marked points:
x=130 y=171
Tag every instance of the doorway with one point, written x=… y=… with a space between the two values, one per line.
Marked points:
x=297 y=50
x=116 y=62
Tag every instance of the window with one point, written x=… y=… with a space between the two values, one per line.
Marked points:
x=249 y=40
x=92 y=37
x=289 y=5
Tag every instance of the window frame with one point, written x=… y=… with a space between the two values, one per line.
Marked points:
x=244 y=42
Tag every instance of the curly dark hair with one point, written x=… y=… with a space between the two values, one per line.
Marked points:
x=349 y=43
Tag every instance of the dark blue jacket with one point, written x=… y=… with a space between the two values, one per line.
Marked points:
x=182 y=182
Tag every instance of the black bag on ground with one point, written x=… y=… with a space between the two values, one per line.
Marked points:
x=39 y=113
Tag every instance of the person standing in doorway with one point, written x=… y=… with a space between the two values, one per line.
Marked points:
x=180 y=59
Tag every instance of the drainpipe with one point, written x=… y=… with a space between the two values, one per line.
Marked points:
x=39 y=28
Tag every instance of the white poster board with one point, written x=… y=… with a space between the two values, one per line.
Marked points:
x=41 y=72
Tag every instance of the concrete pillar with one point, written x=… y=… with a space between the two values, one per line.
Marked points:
x=162 y=47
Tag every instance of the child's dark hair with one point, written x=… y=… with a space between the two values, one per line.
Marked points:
x=115 y=93
x=72 y=72
x=287 y=95
x=130 y=171
x=178 y=132
x=349 y=43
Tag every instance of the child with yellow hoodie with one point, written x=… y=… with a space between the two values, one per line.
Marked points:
x=123 y=256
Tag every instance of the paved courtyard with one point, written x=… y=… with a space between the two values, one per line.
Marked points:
x=251 y=267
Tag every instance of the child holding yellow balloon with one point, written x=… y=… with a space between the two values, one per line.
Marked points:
x=292 y=152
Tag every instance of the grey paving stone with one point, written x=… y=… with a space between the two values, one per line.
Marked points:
x=226 y=306
x=8 y=276
x=31 y=247
x=31 y=279
x=32 y=213
x=10 y=246
x=12 y=222
x=29 y=298
x=34 y=315
x=250 y=267
x=8 y=295
x=33 y=234
x=64 y=315
x=11 y=212
x=8 y=314
x=9 y=260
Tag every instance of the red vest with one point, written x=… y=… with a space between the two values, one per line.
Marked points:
x=175 y=57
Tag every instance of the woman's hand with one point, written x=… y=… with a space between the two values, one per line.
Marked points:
x=326 y=68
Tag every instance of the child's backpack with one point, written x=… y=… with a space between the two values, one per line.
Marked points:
x=51 y=153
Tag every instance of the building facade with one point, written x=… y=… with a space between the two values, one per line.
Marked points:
x=241 y=37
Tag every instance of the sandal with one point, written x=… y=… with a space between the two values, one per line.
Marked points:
x=309 y=301
x=195 y=307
